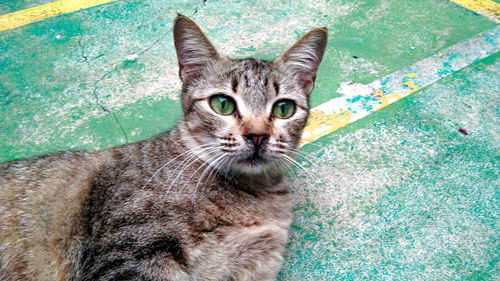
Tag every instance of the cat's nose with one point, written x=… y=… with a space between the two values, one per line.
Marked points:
x=258 y=139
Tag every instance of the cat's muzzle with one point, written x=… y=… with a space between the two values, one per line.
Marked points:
x=258 y=142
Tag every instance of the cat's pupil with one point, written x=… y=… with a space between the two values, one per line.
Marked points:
x=282 y=108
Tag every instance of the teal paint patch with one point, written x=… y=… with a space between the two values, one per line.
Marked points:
x=404 y=195
x=445 y=70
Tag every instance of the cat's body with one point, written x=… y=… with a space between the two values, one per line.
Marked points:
x=94 y=226
x=205 y=201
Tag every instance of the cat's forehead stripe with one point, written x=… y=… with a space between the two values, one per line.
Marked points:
x=250 y=80
x=249 y=77
x=234 y=84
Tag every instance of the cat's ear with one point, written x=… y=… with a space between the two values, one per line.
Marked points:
x=194 y=50
x=304 y=57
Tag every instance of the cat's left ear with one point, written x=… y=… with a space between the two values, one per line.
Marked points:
x=304 y=57
x=194 y=50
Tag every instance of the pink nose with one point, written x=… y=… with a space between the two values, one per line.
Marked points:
x=257 y=139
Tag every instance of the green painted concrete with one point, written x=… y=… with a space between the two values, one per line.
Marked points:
x=402 y=194
x=7 y=7
x=399 y=195
x=61 y=77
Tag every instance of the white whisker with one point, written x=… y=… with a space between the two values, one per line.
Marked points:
x=191 y=160
x=298 y=165
x=211 y=167
x=165 y=165
x=185 y=164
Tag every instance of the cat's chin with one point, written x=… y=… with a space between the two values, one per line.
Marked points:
x=255 y=166
x=254 y=161
x=256 y=175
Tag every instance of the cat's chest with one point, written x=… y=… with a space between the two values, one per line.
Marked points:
x=233 y=211
x=224 y=233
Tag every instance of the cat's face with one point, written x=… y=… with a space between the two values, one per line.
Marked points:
x=245 y=116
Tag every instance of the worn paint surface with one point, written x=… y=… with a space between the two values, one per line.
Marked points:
x=38 y=13
x=403 y=195
x=331 y=115
x=108 y=75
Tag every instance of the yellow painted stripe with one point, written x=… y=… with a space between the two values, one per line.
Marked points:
x=319 y=124
x=487 y=8
x=42 y=12
x=341 y=111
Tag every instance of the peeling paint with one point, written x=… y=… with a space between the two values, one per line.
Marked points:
x=412 y=86
x=320 y=123
x=487 y=8
x=46 y=110
x=397 y=85
x=386 y=100
x=397 y=198
x=351 y=89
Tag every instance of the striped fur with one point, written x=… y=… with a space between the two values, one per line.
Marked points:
x=205 y=201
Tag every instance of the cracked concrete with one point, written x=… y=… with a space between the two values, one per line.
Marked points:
x=128 y=59
x=105 y=109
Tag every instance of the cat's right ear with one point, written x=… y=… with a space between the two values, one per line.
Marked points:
x=194 y=50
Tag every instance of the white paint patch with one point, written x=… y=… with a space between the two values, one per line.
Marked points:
x=132 y=57
x=352 y=89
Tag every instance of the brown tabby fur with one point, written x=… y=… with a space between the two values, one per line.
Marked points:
x=205 y=201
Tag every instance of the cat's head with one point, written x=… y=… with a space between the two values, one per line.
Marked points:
x=244 y=116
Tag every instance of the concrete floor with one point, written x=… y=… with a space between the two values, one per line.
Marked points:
x=398 y=195
x=404 y=195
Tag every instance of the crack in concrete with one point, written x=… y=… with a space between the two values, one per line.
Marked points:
x=104 y=108
x=84 y=58
x=133 y=56
x=204 y=2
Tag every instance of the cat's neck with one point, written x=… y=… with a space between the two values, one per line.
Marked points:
x=256 y=183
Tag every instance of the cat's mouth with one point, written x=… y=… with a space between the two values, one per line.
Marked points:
x=254 y=159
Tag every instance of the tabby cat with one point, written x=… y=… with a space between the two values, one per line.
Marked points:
x=204 y=201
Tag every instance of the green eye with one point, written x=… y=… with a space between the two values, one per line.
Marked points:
x=283 y=109
x=222 y=104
